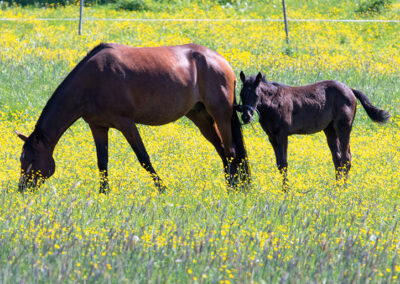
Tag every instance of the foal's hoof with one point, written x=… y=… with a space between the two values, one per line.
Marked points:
x=104 y=188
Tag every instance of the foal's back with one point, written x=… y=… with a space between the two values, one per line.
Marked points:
x=311 y=108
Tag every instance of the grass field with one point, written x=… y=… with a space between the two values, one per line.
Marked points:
x=198 y=231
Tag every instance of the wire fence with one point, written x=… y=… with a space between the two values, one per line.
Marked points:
x=285 y=20
x=200 y=20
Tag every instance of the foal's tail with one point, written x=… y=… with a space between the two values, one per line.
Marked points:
x=241 y=153
x=376 y=114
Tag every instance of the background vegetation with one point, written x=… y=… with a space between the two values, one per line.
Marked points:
x=362 y=6
x=197 y=231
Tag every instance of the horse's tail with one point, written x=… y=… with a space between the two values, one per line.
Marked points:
x=376 y=114
x=241 y=153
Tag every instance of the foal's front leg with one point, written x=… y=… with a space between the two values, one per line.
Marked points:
x=280 y=143
x=131 y=133
x=100 y=135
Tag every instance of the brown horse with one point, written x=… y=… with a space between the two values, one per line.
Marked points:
x=284 y=110
x=118 y=86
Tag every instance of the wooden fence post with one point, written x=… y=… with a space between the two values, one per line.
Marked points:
x=80 y=16
x=286 y=24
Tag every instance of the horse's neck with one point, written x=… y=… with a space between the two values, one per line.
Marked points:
x=60 y=112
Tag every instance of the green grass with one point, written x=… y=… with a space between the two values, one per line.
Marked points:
x=318 y=232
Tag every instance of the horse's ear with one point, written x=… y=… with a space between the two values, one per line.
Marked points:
x=242 y=77
x=20 y=135
x=258 y=78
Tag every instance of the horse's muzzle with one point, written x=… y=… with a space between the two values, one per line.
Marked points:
x=22 y=184
x=27 y=182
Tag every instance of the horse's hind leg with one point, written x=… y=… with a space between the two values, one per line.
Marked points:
x=241 y=153
x=333 y=143
x=131 y=133
x=100 y=135
x=208 y=128
x=223 y=123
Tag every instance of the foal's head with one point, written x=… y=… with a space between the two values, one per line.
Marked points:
x=37 y=163
x=250 y=96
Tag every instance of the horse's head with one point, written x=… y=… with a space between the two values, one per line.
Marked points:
x=37 y=163
x=249 y=95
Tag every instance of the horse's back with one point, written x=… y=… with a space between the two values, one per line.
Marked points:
x=154 y=61
x=152 y=85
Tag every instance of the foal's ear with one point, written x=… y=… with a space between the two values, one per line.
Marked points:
x=238 y=108
x=20 y=135
x=242 y=77
x=258 y=78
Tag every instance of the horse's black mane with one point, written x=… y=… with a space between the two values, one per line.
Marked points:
x=52 y=99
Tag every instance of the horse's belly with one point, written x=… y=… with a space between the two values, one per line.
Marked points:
x=156 y=118
x=150 y=108
x=164 y=108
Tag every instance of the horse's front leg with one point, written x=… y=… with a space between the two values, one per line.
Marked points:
x=280 y=144
x=131 y=133
x=100 y=135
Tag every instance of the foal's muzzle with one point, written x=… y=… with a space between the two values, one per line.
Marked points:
x=246 y=118
x=247 y=113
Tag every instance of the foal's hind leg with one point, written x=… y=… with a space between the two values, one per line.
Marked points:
x=345 y=162
x=131 y=133
x=333 y=143
x=343 y=133
x=100 y=135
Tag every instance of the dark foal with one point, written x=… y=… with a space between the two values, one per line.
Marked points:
x=284 y=110
x=117 y=86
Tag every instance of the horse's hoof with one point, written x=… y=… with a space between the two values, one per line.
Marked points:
x=285 y=188
x=162 y=188
x=21 y=189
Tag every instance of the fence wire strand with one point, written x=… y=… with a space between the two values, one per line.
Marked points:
x=199 y=20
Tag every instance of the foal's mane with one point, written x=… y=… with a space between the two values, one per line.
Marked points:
x=265 y=81
x=276 y=84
